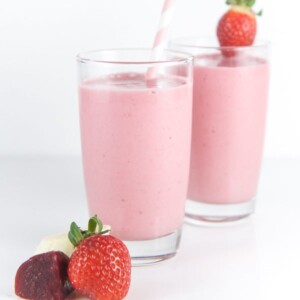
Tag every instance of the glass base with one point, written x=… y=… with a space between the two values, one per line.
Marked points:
x=197 y=213
x=149 y=252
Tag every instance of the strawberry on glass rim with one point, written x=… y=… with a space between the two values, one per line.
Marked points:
x=238 y=25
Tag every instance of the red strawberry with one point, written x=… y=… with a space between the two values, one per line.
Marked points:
x=100 y=267
x=44 y=277
x=238 y=25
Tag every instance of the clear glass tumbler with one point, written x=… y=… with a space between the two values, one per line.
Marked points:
x=136 y=118
x=229 y=112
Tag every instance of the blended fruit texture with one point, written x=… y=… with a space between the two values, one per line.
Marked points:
x=136 y=152
x=229 y=112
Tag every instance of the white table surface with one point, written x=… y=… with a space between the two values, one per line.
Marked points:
x=257 y=259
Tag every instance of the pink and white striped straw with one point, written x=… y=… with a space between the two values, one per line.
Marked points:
x=161 y=36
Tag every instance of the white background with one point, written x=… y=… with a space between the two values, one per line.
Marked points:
x=38 y=74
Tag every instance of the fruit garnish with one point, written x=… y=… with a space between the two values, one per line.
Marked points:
x=57 y=242
x=60 y=242
x=238 y=26
x=100 y=266
x=44 y=277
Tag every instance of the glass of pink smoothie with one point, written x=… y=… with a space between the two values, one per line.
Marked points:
x=136 y=136
x=229 y=113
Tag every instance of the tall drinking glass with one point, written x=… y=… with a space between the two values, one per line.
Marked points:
x=136 y=135
x=230 y=103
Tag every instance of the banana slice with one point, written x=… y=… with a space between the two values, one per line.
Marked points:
x=59 y=242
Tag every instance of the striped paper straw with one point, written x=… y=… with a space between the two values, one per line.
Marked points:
x=161 y=36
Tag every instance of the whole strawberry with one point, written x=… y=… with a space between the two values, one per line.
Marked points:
x=100 y=267
x=238 y=25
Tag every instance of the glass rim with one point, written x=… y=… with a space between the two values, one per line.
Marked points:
x=85 y=57
x=187 y=41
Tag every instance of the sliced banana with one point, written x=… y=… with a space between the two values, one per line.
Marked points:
x=59 y=242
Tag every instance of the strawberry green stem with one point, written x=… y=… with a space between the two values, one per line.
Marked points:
x=93 y=222
x=76 y=235
x=260 y=13
x=246 y=3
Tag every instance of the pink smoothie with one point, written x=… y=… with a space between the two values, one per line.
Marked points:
x=136 y=151
x=230 y=101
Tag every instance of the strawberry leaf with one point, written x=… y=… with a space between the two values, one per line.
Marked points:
x=249 y=3
x=233 y=2
x=260 y=13
x=93 y=222
x=76 y=235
